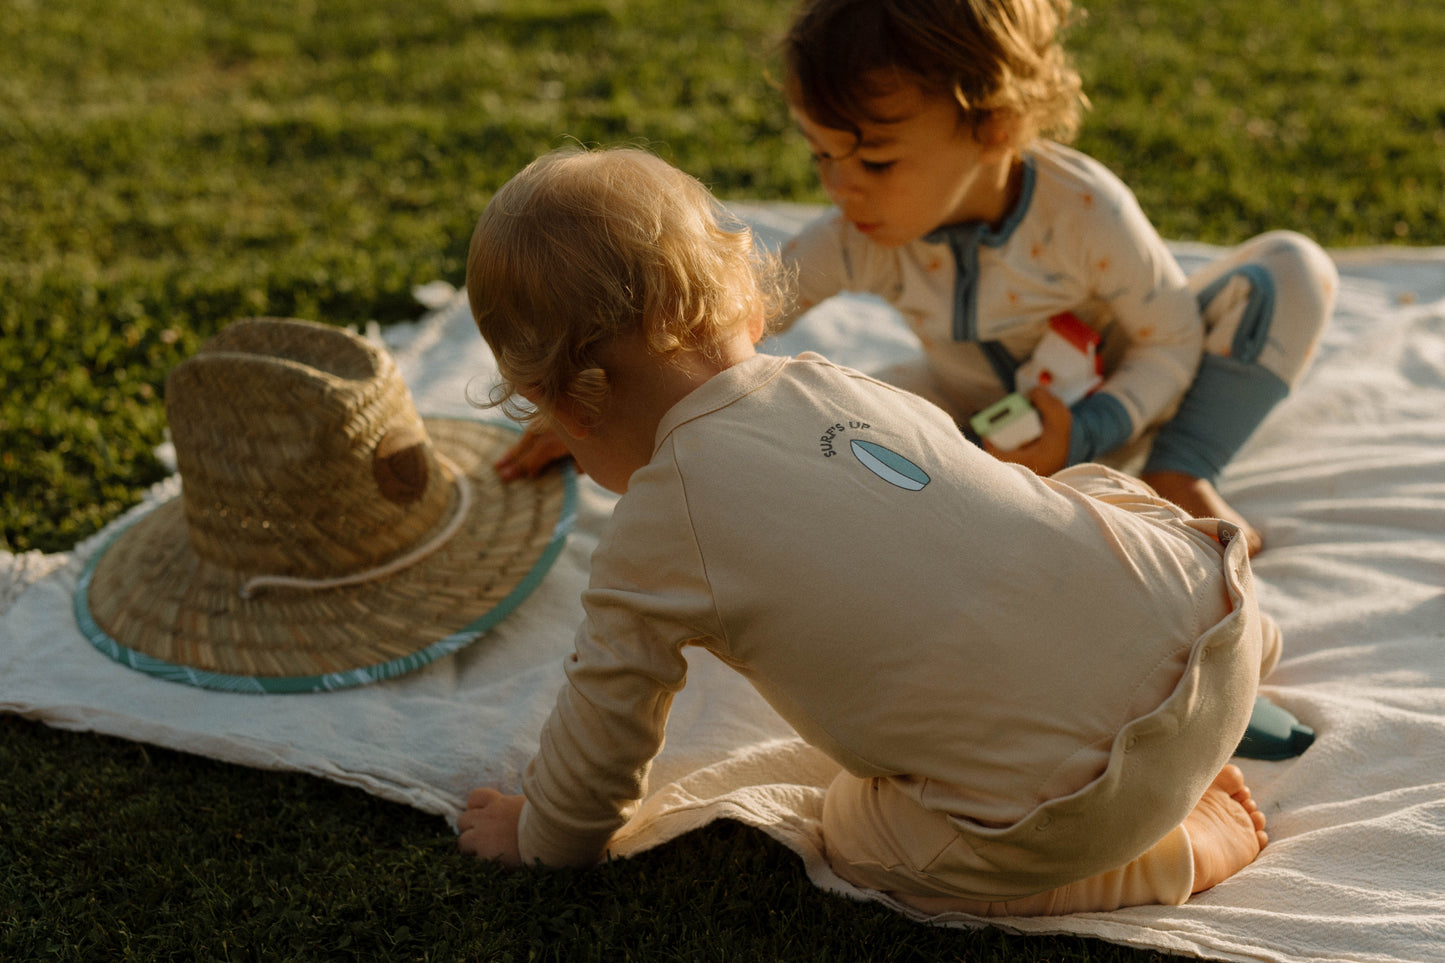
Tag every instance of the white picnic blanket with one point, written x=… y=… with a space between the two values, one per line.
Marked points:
x=1346 y=480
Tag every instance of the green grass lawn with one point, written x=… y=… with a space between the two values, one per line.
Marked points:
x=170 y=165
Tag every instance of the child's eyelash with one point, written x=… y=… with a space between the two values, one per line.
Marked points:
x=872 y=167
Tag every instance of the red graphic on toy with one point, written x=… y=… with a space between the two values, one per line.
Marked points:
x=1067 y=361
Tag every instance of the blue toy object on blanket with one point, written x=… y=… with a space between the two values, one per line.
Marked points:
x=1274 y=733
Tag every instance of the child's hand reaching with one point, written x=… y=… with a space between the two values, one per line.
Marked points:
x=489 y=827
x=538 y=447
x=1050 y=451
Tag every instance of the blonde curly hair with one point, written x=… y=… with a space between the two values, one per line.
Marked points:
x=991 y=56
x=582 y=247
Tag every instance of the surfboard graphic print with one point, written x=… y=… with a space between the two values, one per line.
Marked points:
x=889 y=465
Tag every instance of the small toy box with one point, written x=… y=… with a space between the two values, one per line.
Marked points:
x=1066 y=361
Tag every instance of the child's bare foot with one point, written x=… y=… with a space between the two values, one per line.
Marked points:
x=1202 y=500
x=1226 y=830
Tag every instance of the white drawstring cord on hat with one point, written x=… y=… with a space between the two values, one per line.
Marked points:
x=464 y=504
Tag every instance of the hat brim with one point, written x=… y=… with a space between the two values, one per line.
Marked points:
x=149 y=602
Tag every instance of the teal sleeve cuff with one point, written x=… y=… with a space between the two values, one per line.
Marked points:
x=1100 y=425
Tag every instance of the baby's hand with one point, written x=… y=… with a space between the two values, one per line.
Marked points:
x=489 y=827
x=1049 y=452
x=538 y=447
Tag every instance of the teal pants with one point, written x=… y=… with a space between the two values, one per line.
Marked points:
x=1265 y=305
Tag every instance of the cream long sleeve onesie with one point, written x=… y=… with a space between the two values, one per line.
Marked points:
x=1027 y=681
x=1207 y=356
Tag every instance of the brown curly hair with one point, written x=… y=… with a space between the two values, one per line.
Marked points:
x=991 y=56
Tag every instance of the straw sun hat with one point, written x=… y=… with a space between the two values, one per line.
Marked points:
x=325 y=535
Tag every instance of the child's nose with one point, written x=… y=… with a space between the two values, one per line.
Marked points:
x=838 y=182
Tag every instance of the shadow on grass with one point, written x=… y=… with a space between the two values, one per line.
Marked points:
x=116 y=850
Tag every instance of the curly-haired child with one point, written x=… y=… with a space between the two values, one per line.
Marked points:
x=928 y=120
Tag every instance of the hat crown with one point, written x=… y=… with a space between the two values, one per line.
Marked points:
x=300 y=452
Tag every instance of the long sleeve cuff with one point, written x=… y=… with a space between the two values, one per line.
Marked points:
x=1100 y=425
x=541 y=841
x=1163 y=876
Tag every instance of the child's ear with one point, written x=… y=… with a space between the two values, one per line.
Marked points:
x=566 y=416
x=1001 y=131
x=757 y=327
x=564 y=413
